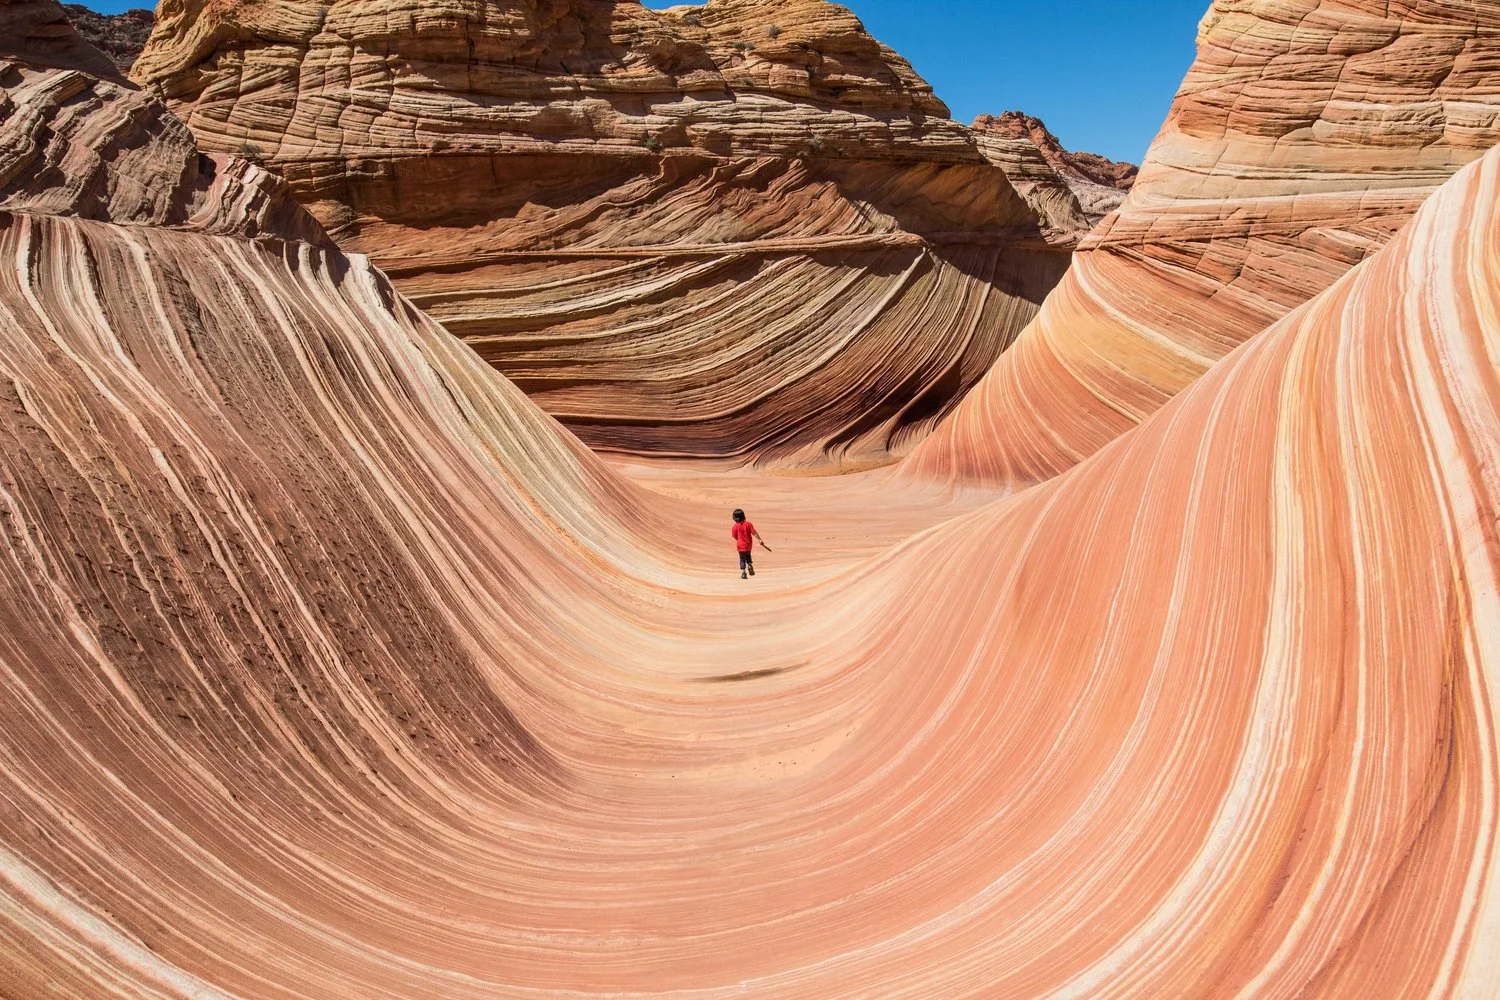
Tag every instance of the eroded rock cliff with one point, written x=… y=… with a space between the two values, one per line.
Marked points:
x=77 y=139
x=1305 y=135
x=742 y=229
x=1099 y=183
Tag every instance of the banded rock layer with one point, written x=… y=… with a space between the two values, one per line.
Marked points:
x=77 y=139
x=1100 y=184
x=1305 y=135
x=327 y=672
x=742 y=229
x=308 y=695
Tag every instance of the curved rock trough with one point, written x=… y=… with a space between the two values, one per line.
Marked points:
x=333 y=667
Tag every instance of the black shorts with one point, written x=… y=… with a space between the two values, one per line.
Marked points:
x=746 y=560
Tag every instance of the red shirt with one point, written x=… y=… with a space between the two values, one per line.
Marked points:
x=742 y=533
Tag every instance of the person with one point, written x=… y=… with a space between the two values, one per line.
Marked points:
x=745 y=536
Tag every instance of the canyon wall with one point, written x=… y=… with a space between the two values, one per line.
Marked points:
x=743 y=230
x=1305 y=135
x=327 y=671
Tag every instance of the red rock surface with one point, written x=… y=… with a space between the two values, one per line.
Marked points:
x=120 y=36
x=1304 y=136
x=329 y=674
x=77 y=139
x=331 y=667
x=739 y=230
x=1098 y=182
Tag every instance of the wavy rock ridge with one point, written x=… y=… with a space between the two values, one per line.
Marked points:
x=294 y=702
x=1306 y=133
x=675 y=230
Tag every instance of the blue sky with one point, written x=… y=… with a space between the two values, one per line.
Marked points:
x=1101 y=73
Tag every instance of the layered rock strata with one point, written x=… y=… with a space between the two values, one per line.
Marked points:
x=327 y=672
x=120 y=36
x=1099 y=183
x=737 y=230
x=78 y=139
x=1306 y=134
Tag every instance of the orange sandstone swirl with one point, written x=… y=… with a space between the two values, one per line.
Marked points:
x=326 y=676
x=331 y=667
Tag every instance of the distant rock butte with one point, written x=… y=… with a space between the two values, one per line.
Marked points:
x=743 y=229
x=1305 y=134
x=1099 y=183
x=120 y=36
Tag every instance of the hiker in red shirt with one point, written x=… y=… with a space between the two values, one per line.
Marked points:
x=745 y=535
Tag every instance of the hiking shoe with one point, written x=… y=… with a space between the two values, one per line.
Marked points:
x=752 y=570
x=742 y=574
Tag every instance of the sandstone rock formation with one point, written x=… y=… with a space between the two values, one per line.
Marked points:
x=40 y=31
x=1099 y=183
x=120 y=36
x=742 y=229
x=77 y=139
x=1306 y=133
x=326 y=671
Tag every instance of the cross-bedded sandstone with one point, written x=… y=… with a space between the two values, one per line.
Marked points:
x=741 y=230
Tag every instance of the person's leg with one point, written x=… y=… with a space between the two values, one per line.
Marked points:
x=750 y=562
x=744 y=561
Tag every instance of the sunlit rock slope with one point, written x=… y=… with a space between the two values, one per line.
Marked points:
x=332 y=668
x=744 y=229
x=1100 y=184
x=1306 y=133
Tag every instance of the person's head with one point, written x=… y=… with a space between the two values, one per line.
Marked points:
x=739 y=517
